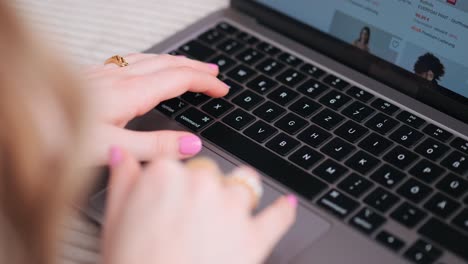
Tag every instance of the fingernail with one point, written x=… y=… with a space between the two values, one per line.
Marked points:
x=115 y=156
x=213 y=66
x=292 y=200
x=190 y=145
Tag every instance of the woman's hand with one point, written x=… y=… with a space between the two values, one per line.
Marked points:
x=171 y=213
x=121 y=94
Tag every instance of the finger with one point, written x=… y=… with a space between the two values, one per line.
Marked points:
x=272 y=223
x=205 y=164
x=132 y=58
x=124 y=173
x=165 y=61
x=242 y=193
x=149 y=90
x=146 y=146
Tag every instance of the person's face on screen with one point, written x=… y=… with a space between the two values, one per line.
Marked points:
x=364 y=35
x=429 y=75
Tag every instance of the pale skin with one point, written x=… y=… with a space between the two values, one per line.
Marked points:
x=167 y=212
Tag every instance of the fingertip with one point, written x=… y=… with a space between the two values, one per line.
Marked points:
x=115 y=156
x=190 y=145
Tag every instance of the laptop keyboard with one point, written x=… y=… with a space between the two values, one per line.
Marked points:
x=359 y=157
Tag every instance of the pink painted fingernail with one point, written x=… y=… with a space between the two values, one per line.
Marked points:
x=190 y=145
x=115 y=156
x=292 y=200
x=213 y=66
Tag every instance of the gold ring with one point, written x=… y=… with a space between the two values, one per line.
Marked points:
x=117 y=60
x=251 y=183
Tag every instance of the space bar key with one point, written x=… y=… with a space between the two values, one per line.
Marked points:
x=265 y=161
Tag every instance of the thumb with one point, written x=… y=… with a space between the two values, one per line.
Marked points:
x=171 y=144
x=272 y=223
x=144 y=146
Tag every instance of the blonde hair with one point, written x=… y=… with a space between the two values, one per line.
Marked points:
x=37 y=181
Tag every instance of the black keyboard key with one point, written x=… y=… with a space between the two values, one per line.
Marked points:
x=262 y=159
x=384 y=106
x=267 y=48
x=314 y=136
x=388 y=176
x=400 y=157
x=437 y=133
x=381 y=123
x=247 y=38
x=351 y=131
x=337 y=149
x=358 y=111
x=230 y=46
x=335 y=99
x=460 y=144
x=330 y=171
x=446 y=236
x=312 y=88
x=195 y=98
x=375 y=144
x=234 y=88
x=270 y=67
x=197 y=50
x=406 y=136
x=381 y=200
x=338 y=203
x=194 y=119
x=414 y=190
x=441 y=205
x=335 y=82
x=305 y=107
x=241 y=74
x=283 y=95
x=238 y=119
x=355 y=185
x=456 y=162
x=390 y=241
x=247 y=100
x=262 y=84
x=250 y=56
x=282 y=144
x=211 y=37
x=410 y=119
x=171 y=106
x=269 y=111
x=227 y=28
x=367 y=220
x=428 y=248
x=360 y=94
x=312 y=70
x=224 y=63
x=426 y=171
x=217 y=107
x=362 y=162
x=327 y=119
x=260 y=131
x=305 y=157
x=291 y=123
x=431 y=149
x=290 y=77
x=461 y=220
x=408 y=215
x=453 y=185
x=289 y=59
x=418 y=256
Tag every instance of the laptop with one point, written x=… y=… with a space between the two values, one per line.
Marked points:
x=359 y=107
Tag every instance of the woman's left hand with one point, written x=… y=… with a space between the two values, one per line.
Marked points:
x=123 y=93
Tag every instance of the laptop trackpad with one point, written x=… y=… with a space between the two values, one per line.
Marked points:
x=307 y=229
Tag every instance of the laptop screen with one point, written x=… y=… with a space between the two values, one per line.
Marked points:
x=426 y=37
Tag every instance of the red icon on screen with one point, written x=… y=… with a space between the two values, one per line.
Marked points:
x=452 y=2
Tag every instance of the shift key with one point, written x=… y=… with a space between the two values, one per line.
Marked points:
x=194 y=119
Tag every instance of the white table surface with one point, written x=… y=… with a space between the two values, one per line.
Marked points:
x=88 y=32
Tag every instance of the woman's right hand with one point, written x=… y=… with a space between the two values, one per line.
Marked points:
x=171 y=213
